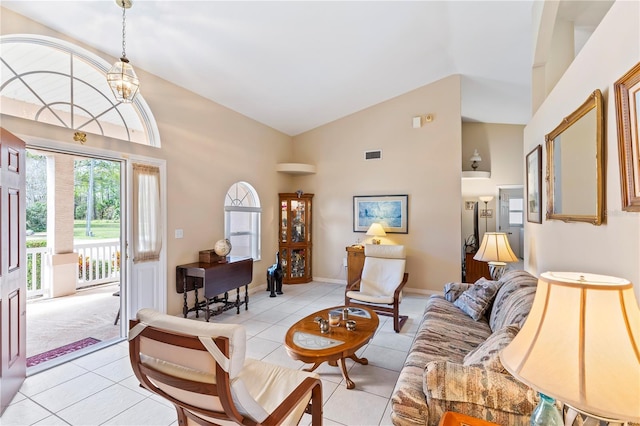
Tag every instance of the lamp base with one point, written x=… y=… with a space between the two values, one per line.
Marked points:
x=546 y=413
x=497 y=270
x=375 y=241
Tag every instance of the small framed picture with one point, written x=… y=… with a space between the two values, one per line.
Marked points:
x=486 y=213
x=534 y=182
x=627 y=93
x=468 y=205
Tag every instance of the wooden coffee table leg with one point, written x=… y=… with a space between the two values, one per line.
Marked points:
x=362 y=361
x=343 y=367
x=316 y=365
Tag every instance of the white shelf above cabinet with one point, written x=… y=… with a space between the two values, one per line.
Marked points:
x=476 y=175
x=296 y=168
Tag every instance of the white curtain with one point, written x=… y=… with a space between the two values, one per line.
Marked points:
x=147 y=224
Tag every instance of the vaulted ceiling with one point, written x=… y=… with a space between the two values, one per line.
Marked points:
x=297 y=65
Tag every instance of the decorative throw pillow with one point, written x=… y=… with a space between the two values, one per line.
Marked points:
x=476 y=299
x=453 y=290
x=486 y=355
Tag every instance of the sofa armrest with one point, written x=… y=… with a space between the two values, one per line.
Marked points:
x=477 y=392
x=453 y=290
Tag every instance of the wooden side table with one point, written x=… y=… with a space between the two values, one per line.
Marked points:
x=355 y=263
x=451 y=418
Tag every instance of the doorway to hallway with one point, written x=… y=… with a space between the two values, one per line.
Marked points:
x=511 y=216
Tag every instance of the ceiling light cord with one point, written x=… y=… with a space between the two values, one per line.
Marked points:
x=124 y=32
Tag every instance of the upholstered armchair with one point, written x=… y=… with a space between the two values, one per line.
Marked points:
x=201 y=369
x=380 y=285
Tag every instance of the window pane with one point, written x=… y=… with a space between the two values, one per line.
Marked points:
x=241 y=245
x=515 y=218
x=516 y=204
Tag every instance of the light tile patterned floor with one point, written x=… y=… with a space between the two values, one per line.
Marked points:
x=100 y=389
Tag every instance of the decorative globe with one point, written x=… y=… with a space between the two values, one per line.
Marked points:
x=222 y=247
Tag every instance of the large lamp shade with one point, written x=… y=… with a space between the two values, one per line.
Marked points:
x=580 y=344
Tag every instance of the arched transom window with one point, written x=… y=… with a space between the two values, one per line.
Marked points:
x=242 y=213
x=55 y=82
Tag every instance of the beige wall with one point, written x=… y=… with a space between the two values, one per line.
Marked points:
x=500 y=146
x=423 y=163
x=614 y=247
x=207 y=148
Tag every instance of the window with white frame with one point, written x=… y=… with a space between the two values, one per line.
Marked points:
x=55 y=82
x=242 y=214
x=516 y=212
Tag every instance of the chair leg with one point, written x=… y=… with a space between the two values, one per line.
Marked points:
x=316 y=406
x=117 y=317
x=398 y=322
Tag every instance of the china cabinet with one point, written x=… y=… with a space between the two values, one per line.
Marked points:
x=295 y=237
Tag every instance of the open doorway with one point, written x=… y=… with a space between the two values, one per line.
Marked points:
x=511 y=216
x=74 y=269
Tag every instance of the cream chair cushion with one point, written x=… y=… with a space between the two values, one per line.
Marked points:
x=257 y=387
x=382 y=273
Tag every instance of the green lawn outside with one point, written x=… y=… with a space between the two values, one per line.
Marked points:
x=99 y=229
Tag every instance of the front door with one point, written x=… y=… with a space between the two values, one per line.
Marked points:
x=13 y=283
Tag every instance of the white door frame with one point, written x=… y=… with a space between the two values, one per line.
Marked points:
x=138 y=297
x=160 y=288
x=499 y=217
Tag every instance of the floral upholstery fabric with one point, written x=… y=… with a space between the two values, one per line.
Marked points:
x=477 y=392
x=434 y=379
x=487 y=354
x=478 y=298
x=514 y=299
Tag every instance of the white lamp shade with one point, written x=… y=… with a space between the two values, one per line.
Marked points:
x=495 y=248
x=580 y=344
x=475 y=156
x=376 y=230
x=486 y=198
x=123 y=81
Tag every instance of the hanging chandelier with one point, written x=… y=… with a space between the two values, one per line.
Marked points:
x=121 y=77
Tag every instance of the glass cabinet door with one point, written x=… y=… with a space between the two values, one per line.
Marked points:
x=283 y=220
x=295 y=237
x=298 y=221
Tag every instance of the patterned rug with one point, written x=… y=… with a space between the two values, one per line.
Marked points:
x=62 y=350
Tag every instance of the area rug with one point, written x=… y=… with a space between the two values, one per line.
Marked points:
x=62 y=350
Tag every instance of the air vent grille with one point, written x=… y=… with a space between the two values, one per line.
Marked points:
x=373 y=155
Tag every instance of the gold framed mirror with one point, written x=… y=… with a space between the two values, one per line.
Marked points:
x=575 y=165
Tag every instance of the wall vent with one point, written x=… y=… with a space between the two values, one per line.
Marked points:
x=373 y=155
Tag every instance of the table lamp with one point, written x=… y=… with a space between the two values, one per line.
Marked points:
x=496 y=251
x=580 y=345
x=376 y=230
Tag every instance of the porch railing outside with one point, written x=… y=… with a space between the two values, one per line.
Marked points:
x=98 y=263
x=38 y=261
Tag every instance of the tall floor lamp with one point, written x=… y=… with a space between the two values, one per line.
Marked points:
x=485 y=199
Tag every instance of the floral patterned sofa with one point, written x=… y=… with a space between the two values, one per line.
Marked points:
x=453 y=363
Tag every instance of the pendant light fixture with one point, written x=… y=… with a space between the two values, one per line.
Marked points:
x=121 y=77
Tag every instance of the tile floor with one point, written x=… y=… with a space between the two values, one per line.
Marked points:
x=100 y=388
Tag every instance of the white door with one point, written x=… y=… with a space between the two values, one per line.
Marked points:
x=511 y=217
x=146 y=245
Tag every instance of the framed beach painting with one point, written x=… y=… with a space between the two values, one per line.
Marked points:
x=627 y=93
x=534 y=185
x=391 y=211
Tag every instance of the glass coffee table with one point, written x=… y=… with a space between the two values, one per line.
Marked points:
x=305 y=342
